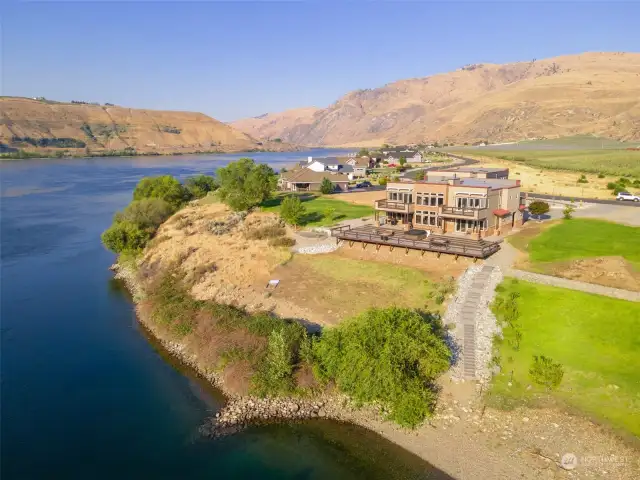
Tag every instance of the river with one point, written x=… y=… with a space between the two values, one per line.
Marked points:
x=85 y=393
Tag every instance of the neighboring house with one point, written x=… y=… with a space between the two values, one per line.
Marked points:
x=323 y=164
x=409 y=156
x=446 y=202
x=307 y=180
x=360 y=166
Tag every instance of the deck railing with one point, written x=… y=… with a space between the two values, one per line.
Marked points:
x=463 y=212
x=434 y=243
x=395 y=206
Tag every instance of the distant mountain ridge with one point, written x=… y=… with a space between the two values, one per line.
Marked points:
x=590 y=93
x=47 y=127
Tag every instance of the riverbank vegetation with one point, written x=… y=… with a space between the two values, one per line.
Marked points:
x=593 y=338
x=399 y=351
x=155 y=199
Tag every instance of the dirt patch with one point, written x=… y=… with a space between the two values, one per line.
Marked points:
x=608 y=271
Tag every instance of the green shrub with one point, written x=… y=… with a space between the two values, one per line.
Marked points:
x=275 y=373
x=164 y=187
x=545 y=372
x=383 y=181
x=601 y=175
x=583 y=179
x=326 y=186
x=282 y=242
x=125 y=237
x=245 y=184
x=148 y=213
x=391 y=356
x=200 y=185
x=568 y=212
x=611 y=185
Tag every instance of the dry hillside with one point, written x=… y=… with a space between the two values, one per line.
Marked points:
x=115 y=128
x=595 y=93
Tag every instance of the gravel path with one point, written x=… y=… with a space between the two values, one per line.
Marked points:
x=506 y=256
x=475 y=324
x=574 y=285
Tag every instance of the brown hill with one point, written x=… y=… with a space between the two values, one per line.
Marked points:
x=597 y=93
x=104 y=128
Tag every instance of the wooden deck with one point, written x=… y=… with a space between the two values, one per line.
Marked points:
x=451 y=245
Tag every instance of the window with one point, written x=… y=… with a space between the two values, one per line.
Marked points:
x=432 y=200
x=419 y=199
x=440 y=199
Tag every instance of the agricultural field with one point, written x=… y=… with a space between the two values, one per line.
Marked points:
x=594 y=338
x=588 y=250
x=607 y=162
x=322 y=210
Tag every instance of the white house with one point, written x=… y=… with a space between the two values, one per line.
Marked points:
x=331 y=164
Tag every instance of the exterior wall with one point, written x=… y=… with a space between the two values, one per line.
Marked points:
x=510 y=198
x=449 y=173
x=493 y=204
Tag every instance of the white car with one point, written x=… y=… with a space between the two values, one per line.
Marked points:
x=628 y=196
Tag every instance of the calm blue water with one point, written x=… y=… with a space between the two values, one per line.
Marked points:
x=84 y=393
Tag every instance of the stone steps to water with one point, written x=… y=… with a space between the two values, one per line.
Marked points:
x=467 y=318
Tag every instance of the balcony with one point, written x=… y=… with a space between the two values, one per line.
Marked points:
x=393 y=206
x=471 y=213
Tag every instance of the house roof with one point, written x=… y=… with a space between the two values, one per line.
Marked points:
x=346 y=169
x=501 y=212
x=473 y=169
x=327 y=160
x=360 y=161
x=306 y=175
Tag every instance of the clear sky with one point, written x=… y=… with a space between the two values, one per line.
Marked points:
x=236 y=59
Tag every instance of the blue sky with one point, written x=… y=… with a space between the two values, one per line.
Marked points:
x=236 y=59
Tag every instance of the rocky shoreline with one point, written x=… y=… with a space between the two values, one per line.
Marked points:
x=464 y=438
x=243 y=411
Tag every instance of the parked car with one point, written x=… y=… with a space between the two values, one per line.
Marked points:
x=365 y=184
x=628 y=196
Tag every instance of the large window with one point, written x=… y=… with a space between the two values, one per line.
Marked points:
x=427 y=218
x=470 y=202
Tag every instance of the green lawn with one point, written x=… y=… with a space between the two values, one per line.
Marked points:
x=607 y=161
x=595 y=338
x=317 y=206
x=583 y=238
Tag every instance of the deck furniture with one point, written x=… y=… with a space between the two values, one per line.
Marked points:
x=453 y=245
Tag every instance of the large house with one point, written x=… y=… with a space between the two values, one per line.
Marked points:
x=360 y=166
x=408 y=155
x=307 y=180
x=474 y=201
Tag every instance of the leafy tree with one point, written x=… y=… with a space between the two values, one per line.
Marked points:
x=383 y=181
x=385 y=145
x=147 y=214
x=538 y=208
x=363 y=152
x=292 y=210
x=568 y=212
x=245 y=184
x=326 y=186
x=389 y=355
x=545 y=372
x=200 y=185
x=402 y=161
x=125 y=237
x=164 y=187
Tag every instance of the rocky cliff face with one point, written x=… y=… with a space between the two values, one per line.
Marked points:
x=595 y=93
x=46 y=127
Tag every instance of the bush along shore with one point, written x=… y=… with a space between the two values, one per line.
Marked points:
x=242 y=411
